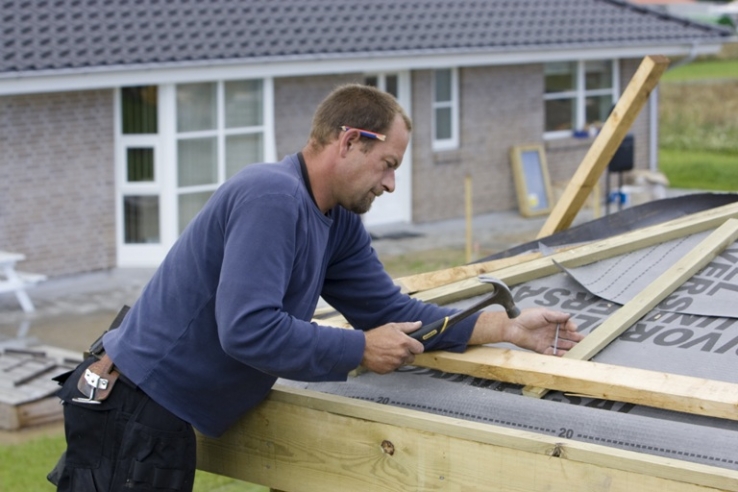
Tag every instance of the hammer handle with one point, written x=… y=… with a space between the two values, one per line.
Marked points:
x=427 y=332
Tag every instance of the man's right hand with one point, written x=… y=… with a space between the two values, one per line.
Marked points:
x=388 y=347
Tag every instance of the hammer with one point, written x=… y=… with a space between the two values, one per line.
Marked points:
x=501 y=295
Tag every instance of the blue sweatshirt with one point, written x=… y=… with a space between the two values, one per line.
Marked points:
x=229 y=309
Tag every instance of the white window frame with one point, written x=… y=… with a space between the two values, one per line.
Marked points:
x=453 y=104
x=165 y=182
x=580 y=95
x=219 y=133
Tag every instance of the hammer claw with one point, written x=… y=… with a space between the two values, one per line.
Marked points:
x=501 y=295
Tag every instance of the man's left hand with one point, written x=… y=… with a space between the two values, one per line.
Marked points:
x=535 y=329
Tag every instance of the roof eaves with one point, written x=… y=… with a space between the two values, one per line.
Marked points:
x=358 y=57
x=509 y=47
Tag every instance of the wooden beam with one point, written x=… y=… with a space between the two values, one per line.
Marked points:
x=605 y=144
x=658 y=290
x=424 y=281
x=300 y=440
x=584 y=255
x=692 y=395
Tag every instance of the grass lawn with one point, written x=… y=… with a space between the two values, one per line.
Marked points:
x=698 y=125
x=702 y=170
x=23 y=467
x=702 y=70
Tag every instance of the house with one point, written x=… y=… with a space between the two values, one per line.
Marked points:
x=118 y=119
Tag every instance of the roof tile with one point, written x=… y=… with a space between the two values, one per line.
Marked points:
x=66 y=34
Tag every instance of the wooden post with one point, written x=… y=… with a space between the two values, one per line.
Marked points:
x=468 y=195
x=605 y=144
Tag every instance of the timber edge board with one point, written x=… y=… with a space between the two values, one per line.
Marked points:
x=305 y=440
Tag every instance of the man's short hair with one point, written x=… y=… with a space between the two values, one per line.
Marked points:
x=356 y=106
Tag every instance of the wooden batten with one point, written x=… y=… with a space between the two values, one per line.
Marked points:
x=686 y=394
x=300 y=440
x=424 y=281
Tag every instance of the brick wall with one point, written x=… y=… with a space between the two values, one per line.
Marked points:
x=57 y=181
x=295 y=102
x=499 y=107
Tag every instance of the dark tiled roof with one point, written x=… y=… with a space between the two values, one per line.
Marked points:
x=80 y=34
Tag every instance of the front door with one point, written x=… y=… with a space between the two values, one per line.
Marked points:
x=394 y=207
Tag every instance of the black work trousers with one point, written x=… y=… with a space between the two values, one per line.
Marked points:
x=126 y=443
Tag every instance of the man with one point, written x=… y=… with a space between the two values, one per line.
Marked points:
x=229 y=309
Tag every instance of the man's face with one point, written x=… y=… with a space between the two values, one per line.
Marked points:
x=369 y=174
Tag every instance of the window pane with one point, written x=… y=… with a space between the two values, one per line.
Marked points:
x=196 y=107
x=560 y=114
x=443 y=85
x=139 y=109
x=140 y=164
x=443 y=123
x=197 y=161
x=598 y=74
x=243 y=103
x=141 y=219
x=597 y=109
x=242 y=150
x=560 y=76
x=371 y=81
x=189 y=205
x=391 y=84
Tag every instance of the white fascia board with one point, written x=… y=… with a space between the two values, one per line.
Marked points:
x=121 y=76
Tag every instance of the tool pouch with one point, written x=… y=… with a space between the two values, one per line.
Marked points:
x=97 y=381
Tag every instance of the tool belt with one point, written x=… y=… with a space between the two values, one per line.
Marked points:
x=97 y=381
